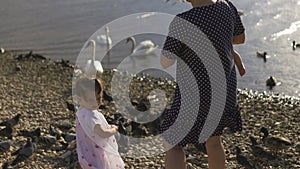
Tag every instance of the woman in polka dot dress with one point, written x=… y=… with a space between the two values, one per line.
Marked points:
x=96 y=145
x=209 y=29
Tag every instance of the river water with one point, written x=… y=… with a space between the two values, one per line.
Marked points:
x=59 y=29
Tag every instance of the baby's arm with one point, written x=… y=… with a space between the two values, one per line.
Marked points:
x=105 y=133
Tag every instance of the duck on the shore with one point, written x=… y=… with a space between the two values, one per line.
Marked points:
x=295 y=45
x=146 y=47
x=259 y=151
x=271 y=82
x=262 y=54
x=274 y=143
x=93 y=66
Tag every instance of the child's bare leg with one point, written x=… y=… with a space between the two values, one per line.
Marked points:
x=215 y=152
x=239 y=63
x=175 y=158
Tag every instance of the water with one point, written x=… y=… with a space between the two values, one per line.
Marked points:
x=59 y=29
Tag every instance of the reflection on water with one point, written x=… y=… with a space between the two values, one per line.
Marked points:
x=293 y=28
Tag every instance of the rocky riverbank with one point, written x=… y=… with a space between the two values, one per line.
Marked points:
x=38 y=89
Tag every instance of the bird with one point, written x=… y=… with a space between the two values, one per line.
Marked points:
x=93 y=66
x=263 y=55
x=54 y=132
x=107 y=97
x=28 y=55
x=121 y=136
x=33 y=133
x=259 y=150
x=2 y=50
x=4 y=146
x=63 y=146
x=64 y=126
x=7 y=132
x=23 y=153
x=38 y=56
x=11 y=122
x=69 y=137
x=240 y=12
x=274 y=143
x=146 y=47
x=18 y=67
x=65 y=63
x=104 y=39
x=71 y=107
x=142 y=105
x=48 y=140
x=241 y=159
x=271 y=82
x=295 y=45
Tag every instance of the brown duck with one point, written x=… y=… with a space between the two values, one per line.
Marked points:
x=259 y=151
x=274 y=143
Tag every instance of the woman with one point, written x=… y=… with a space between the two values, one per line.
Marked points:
x=220 y=23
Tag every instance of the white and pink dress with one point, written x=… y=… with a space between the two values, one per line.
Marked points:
x=93 y=151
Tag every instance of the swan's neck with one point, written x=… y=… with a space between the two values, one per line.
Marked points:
x=107 y=38
x=94 y=50
x=133 y=44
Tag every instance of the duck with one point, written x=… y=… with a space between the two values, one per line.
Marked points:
x=93 y=66
x=274 y=143
x=240 y=12
x=262 y=54
x=146 y=47
x=295 y=45
x=259 y=151
x=271 y=81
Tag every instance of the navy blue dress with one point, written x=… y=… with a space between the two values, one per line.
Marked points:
x=218 y=23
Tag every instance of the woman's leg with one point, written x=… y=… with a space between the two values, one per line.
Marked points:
x=175 y=158
x=215 y=152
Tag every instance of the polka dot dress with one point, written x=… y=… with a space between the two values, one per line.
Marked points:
x=218 y=23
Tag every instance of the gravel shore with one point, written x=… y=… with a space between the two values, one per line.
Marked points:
x=39 y=88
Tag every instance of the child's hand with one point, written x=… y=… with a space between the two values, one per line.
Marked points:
x=115 y=128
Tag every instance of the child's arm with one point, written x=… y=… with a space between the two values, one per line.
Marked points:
x=105 y=133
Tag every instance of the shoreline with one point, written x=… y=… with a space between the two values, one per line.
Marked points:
x=38 y=89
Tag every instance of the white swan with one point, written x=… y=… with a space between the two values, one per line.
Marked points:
x=146 y=47
x=104 y=39
x=93 y=66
